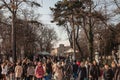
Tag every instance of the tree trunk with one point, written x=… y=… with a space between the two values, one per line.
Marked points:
x=78 y=44
x=90 y=44
x=90 y=34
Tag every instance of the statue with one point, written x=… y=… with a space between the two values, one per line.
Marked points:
x=115 y=56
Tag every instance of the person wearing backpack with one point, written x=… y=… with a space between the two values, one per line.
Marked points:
x=39 y=71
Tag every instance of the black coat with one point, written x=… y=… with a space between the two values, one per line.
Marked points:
x=75 y=68
x=0 y=72
x=82 y=74
x=108 y=74
x=49 y=68
x=95 y=71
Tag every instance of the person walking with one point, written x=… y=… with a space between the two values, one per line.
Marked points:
x=58 y=73
x=39 y=71
x=87 y=65
x=48 y=70
x=94 y=71
x=114 y=68
x=30 y=71
x=108 y=73
x=24 y=66
x=18 y=71
x=68 y=70
x=45 y=73
x=82 y=73
x=4 y=70
x=11 y=69
x=54 y=68
x=0 y=72
x=75 y=70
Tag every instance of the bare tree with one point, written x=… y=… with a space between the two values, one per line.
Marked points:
x=64 y=15
x=30 y=34
x=82 y=15
x=13 y=6
x=117 y=2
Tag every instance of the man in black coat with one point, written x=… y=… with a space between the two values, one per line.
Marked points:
x=94 y=71
x=108 y=73
x=75 y=70
x=82 y=73
x=49 y=69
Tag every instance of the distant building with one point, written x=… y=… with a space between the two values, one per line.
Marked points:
x=64 y=51
x=60 y=51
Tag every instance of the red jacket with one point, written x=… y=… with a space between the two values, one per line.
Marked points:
x=39 y=72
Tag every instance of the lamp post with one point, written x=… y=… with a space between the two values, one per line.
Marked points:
x=73 y=38
x=13 y=32
x=1 y=40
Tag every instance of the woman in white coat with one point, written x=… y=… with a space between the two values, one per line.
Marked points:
x=4 y=70
x=18 y=71
x=58 y=74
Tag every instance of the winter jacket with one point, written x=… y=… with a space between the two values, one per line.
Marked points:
x=82 y=73
x=95 y=71
x=30 y=71
x=39 y=72
x=108 y=74
x=18 y=71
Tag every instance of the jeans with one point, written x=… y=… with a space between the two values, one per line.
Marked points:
x=48 y=77
x=75 y=75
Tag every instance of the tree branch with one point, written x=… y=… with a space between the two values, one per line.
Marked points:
x=7 y=6
x=116 y=2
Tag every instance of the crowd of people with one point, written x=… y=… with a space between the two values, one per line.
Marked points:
x=50 y=69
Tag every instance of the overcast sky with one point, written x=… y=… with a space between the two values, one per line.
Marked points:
x=46 y=17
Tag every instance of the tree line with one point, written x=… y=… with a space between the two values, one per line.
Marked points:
x=91 y=23
x=30 y=35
